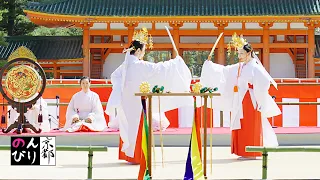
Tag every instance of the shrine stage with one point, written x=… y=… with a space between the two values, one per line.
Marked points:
x=177 y=137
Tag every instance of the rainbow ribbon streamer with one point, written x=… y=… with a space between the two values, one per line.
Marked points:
x=143 y=172
x=194 y=168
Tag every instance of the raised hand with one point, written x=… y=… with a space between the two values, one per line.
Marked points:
x=75 y=120
x=88 y=120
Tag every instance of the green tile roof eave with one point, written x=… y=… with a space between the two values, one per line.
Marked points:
x=46 y=47
x=179 y=7
x=134 y=16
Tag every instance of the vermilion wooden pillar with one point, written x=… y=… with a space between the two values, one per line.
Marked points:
x=311 y=47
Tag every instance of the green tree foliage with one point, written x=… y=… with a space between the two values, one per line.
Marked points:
x=195 y=60
x=2 y=39
x=232 y=58
x=2 y=34
x=2 y=62
x=13 y=21
x=44 y=31
x=157 y=56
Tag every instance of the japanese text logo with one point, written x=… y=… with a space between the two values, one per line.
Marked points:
x=33 y=151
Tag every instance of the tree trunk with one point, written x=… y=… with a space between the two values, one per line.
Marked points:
x=11 y=16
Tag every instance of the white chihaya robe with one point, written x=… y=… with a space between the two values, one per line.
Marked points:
x=225 y=78
x=156 y=121
x=114 y=122
x=85 y=105
x=116 y=79
x=174 y=75
x=32 y=114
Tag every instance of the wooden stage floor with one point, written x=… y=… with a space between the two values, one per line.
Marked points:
x=175 y=137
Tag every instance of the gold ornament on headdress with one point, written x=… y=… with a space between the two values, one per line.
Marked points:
x=237 y=42
x=22 y=53
x=143 y=37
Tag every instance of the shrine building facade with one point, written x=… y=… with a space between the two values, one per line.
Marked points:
x=281 y=32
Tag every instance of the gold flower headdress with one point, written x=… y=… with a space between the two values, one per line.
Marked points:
x=237 y=42
x=143 y=37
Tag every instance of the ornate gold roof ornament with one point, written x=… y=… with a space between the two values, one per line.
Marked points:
x=22 y=52
x=237 y=42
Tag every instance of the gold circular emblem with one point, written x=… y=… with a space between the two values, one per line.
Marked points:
x=22 y=82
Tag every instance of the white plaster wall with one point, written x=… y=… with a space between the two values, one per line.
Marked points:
x=281 y=66
x=99 y=26
x=161 y=39
x=297 y=26
x=189 y=26
x=207 y=26
x=198 y=39
x=117 y=26
x=234 y=26
x=253 y=26
x=113 y=61
x=162 y=25
x=146 y=25
x=279 y=26
x=156 y=39
x=250 y=39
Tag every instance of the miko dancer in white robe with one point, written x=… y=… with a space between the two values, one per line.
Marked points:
x=174 y=75
x=114 y=120
x=237 y=84
x=32 y=114
x=85 y=112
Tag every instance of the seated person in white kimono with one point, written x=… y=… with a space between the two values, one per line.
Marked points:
x=32 y=114
x=85 y=112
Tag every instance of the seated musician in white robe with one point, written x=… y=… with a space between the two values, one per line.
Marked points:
x=32 y=114
x=85 y=112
